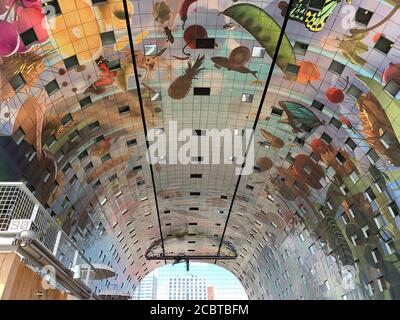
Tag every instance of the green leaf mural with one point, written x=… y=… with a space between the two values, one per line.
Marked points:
x=264 y=29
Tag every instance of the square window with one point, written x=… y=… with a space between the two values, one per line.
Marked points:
x=123 y=110
x=52 y=87
x=351 y=144
x=156 y=96
x=340 y=158
x=246 y=97
x=354 y=91
x=83 y=155
x=94 y=125
x=392 y=87
x=383 y=45
x=363 y=16
x=19 y=136
x=17 y=82
x=372 y=156
x=85 y=102
x=114 y=65
x=300 y=48
x=292 y=69
x=317 y=105
x=105 y=158
x=316 y=5
x=107 y=38
x=67 y=119
x=276 y=111
x=52 y=7
x=354 y=176
x=131 y=142
x=89 y=166
x=199 y=91
x=99 y=139
x=336 y=67
x=52 y=141
x=28 y=37
x=326 y=137
x=150 y=49
x=336 y=123
x=71 y=62
x=74 y=135
x=258 y=52
x=387 y=140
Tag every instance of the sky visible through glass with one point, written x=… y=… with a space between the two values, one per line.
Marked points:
x=225 y=284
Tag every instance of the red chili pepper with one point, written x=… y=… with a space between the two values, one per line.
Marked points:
x=183 y=12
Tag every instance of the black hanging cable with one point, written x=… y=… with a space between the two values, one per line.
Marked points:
x=271 y=70
x=128 y=26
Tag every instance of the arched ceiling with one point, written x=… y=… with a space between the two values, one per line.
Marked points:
x=318 y=217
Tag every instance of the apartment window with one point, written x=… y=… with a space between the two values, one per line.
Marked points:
x=317 y=105
x=45 y=175
x=336 y=67
x=74 y=135
x=369 y=194
x=300 y=48
x=89 y=166
x=123 y=110
x=107 y=38
x=393 y=209
x=354 y=92
x=17 y=82
x=94 y=125
x=246 y=97
x=292 y=69
x=30 y=153
x=365 y=231
x=71 y=62
x=351 y=144
x=392 y=87
x=131 y=142
x=276 y=111
x=28 y=37
x=52 y=141
x=258 y=52
x=150 y=49
x=372 y=156
x=85 y=102
x=105 y=158
x=340 y=158
x=336 y=123
x=83 y=155
x=327 y=138
x=52 y=87
x=67 y=119
x=354 y=177
x=114 y=65
x=380 y=221
x=383 y=45
x=19 y=136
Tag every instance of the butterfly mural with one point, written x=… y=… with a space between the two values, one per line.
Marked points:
x=107 y=77
x=300 y=118
x=311 y=14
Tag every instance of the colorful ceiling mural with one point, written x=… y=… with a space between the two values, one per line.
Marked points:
x=82 y=81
